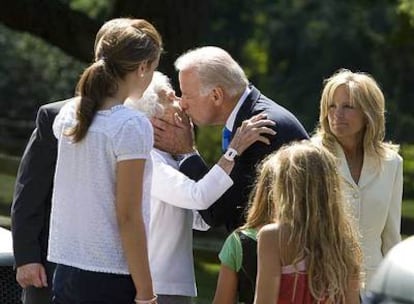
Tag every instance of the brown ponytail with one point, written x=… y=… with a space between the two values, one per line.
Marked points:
x=121 y=47
x=94 y=85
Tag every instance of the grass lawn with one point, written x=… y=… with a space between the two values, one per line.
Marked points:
x=207 y=267
x=6 y=188
x=6 y=196
x=408 y=208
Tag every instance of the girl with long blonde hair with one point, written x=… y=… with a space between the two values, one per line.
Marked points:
x=310 y=254
x=238 y=269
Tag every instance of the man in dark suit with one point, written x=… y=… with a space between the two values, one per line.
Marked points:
x=31 y=206
x=215 y=91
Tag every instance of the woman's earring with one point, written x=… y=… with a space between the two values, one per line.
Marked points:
x=142 y=75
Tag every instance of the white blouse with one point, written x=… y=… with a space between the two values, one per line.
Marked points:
x=83 y=229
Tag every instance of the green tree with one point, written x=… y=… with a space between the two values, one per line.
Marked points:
x=38 y=70
x=72 y=25
x=286 y=47
x=289 y=47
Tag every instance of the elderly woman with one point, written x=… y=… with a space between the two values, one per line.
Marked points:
x=174 y=196
x=352 y=126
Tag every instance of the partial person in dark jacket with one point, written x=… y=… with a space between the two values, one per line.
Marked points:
x=215 y=91
x=31 y=206
x=30 y=211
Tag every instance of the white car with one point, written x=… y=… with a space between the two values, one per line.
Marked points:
x=9 y=289
x=393 y=282
x=6 y=245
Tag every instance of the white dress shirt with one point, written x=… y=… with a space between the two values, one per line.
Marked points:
x=232 y=117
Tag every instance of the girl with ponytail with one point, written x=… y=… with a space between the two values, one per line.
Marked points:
x=103 y=174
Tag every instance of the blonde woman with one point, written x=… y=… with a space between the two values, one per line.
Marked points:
x=352 y=127
x=311 y=253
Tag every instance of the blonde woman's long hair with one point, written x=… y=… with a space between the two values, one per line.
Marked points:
x=302 y=183
x=365 y=93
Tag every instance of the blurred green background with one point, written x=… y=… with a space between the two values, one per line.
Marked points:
x=287 y=48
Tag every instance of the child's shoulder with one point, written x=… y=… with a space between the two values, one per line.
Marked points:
x=269 y=233
x=275 y=233
x=274 y=228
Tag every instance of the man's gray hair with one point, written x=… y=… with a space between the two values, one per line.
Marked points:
x=216 y=68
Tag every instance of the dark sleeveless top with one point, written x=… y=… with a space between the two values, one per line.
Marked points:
x=248 y=270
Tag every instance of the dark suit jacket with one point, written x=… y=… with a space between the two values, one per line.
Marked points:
x=229 y=208
x=31 y=206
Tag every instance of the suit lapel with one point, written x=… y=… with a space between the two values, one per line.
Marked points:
x=343 y=165
x=245 y=111
x=369 y=168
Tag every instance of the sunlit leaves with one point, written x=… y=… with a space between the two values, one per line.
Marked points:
x=97 y=9
x=32 y=72
x=407 y=7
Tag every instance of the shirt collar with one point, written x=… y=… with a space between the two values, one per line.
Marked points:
x=233 y=114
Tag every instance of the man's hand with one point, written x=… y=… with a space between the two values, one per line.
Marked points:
x=252 y=130
x=32 y=274
x=177 y=138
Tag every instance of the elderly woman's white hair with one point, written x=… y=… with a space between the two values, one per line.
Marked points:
x=155 y=96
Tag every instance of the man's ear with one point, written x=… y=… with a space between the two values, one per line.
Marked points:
x=217 y=95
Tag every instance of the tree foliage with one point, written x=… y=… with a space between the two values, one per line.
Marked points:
x=32 y=72
x=407 y=7
x=289 y=48
x=286 y=47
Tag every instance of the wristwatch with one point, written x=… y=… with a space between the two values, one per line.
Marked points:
x=230 y=154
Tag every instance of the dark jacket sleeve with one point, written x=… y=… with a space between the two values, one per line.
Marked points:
x=194 y=167
x=230 y=208
x=33 y=190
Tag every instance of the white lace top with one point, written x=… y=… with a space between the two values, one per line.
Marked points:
x=83 y=228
